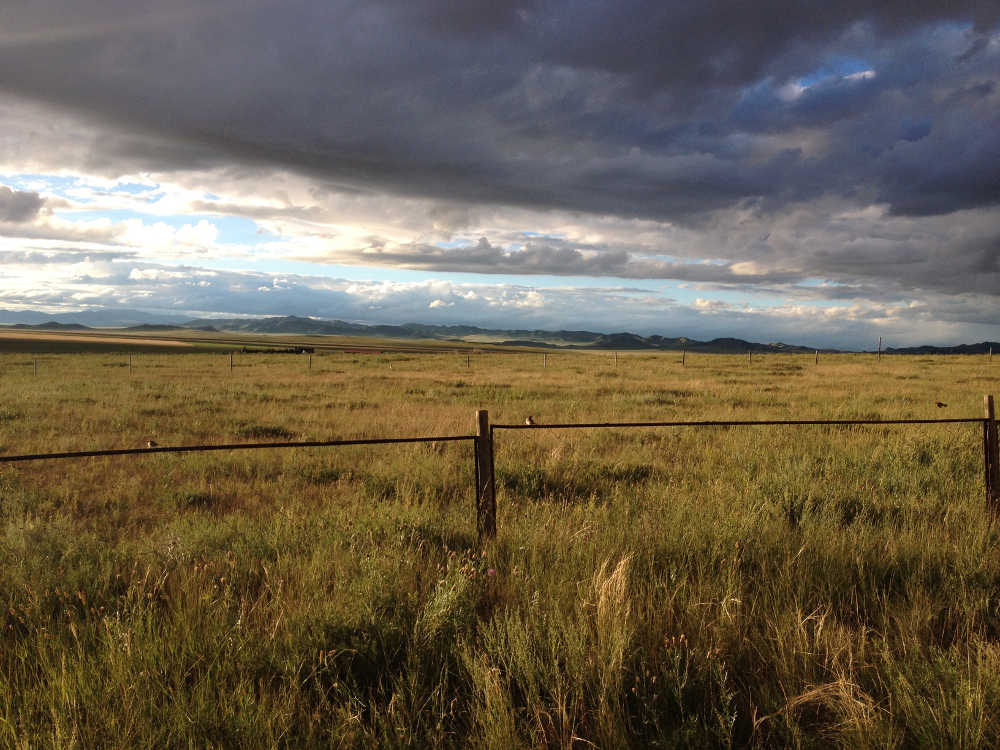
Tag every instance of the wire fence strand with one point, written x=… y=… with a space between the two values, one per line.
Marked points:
x=735 y=423
x=232 y=447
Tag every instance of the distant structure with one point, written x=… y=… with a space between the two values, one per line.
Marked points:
x=941 y=405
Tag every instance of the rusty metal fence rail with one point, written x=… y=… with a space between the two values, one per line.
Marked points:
x=484 y=441
x=737 y=423
x=232 y=447
x=991 y=458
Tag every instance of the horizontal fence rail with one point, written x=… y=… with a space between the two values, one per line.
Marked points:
x=737 y=423
x=233 y=447
x=991 y=453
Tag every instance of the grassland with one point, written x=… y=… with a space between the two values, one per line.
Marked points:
x=124 y=341
x=743 y=587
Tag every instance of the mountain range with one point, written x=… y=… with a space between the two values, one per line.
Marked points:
x=474 y=334
x=142 y=321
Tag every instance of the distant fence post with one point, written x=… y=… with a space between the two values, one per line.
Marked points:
x=486 y=500
x=991 y=457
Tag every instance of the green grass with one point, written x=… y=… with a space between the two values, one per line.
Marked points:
x=725 y=587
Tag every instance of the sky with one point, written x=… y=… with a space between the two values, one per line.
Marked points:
x=816 y=173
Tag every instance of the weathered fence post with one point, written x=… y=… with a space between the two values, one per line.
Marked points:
x=878 y=354
x=991 y=457
x=486 y=500
x=230 y=361
x=817 y=356
x=36 y=367
x=684 y=354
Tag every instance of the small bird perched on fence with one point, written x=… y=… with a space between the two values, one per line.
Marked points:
x=941 y=405
x=151 y=444
x=529 y=420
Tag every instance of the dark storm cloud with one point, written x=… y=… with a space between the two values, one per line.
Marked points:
x=19 y=206
x=625 y=107
x=770 y=135
x=554 y=257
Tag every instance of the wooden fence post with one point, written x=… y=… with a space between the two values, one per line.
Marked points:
x=817 y=356
x=486 y=500
x=878 y=354
x=991 y=458
x=684 y=354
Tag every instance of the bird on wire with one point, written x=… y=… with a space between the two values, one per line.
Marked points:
x=151 y=444
x=529 y=420
x=941 y=405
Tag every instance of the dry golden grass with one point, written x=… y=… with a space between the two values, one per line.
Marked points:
x=758 y=586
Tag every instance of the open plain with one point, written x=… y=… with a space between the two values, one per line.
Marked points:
x=806 y=586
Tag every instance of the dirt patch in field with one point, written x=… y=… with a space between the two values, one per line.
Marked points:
x=85 y=338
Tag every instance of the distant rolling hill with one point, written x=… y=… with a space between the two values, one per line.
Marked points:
x=139 y=321
x=981 y=348
x=53 y=326
x=104 y=317
x=538 y=338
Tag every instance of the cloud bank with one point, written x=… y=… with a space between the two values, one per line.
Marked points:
x=847 y=157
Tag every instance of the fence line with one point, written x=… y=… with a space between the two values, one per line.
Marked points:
x=991 y=453
x=484 y=442
x=735 y=423
x=233 y=447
